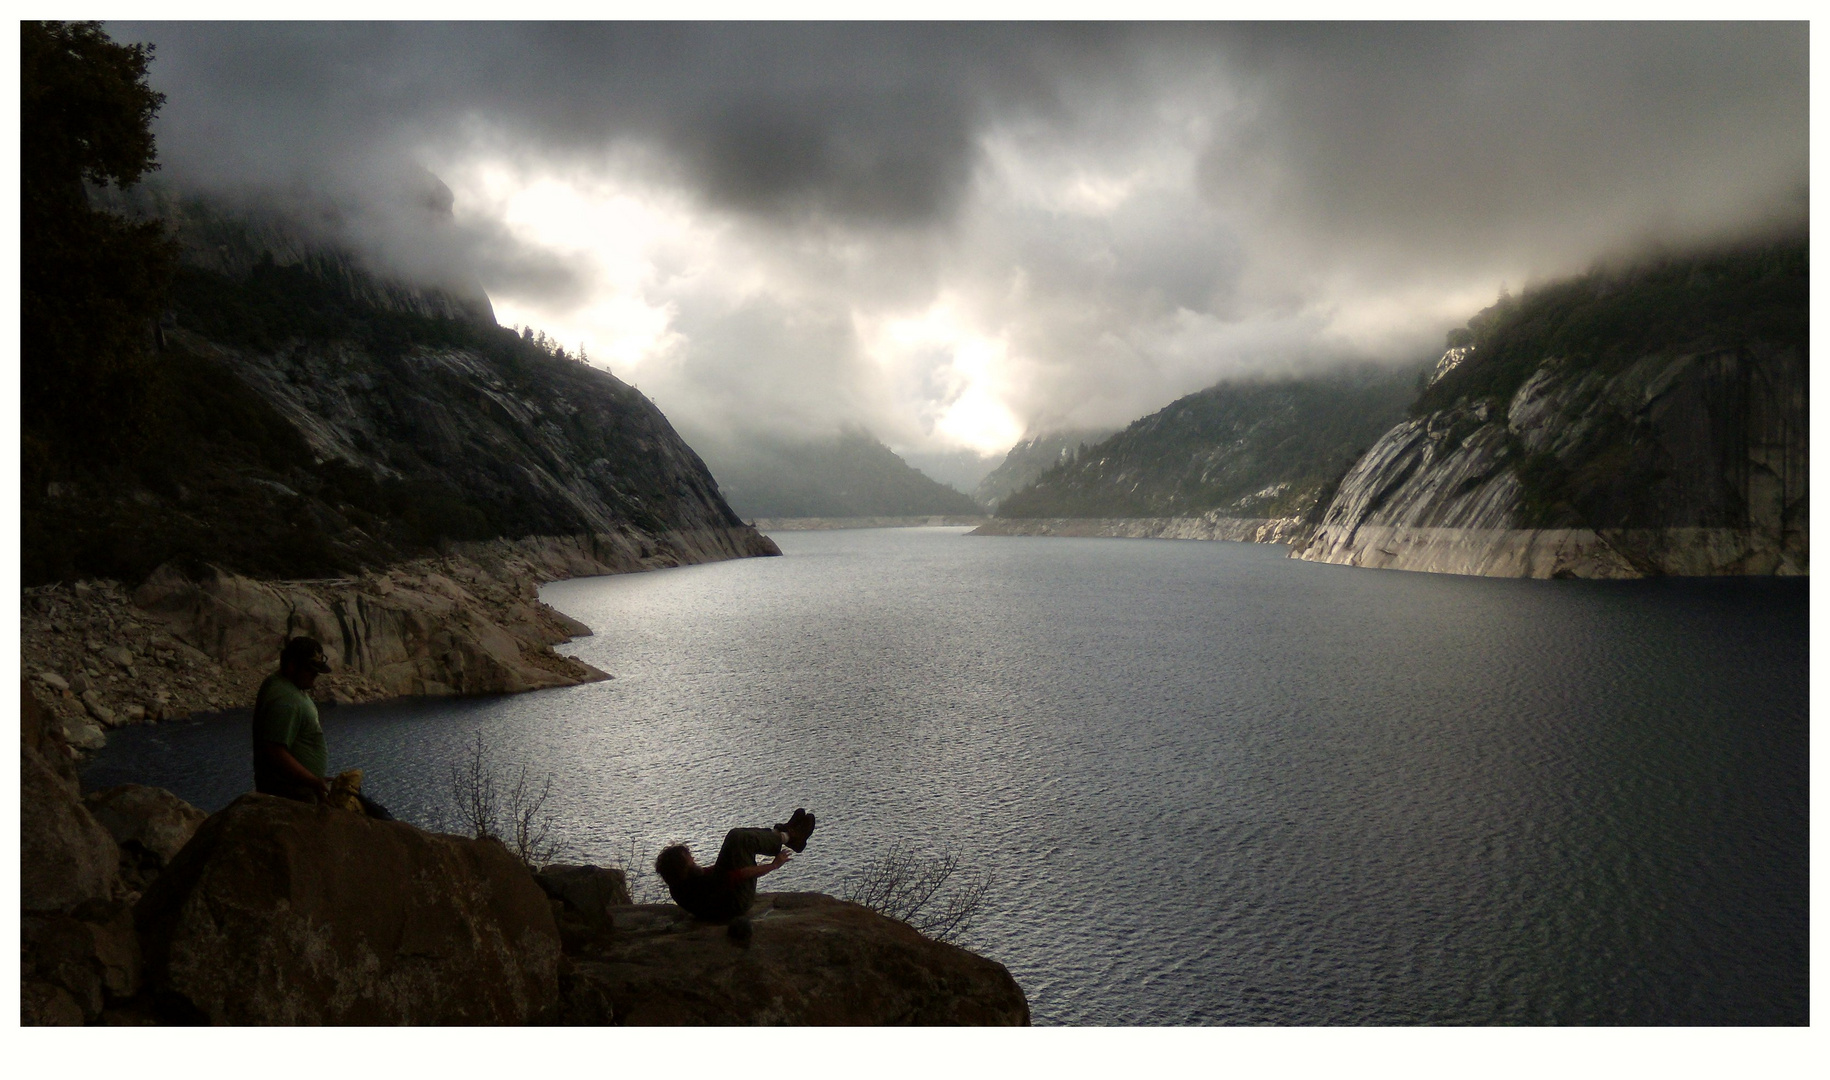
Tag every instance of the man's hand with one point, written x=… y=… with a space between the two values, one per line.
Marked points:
x=749 y=873
x=280 y=756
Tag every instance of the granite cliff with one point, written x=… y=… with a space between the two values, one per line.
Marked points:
x=372 y=462
x=307 y=418
x=1639 y=420
x=1629 y=423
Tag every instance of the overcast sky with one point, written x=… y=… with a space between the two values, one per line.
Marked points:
x=956 y=234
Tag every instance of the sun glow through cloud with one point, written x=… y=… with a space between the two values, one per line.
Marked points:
x=611 y=233
x=637 y=253
x=958 y=372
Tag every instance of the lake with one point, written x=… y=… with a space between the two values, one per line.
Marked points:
x=1212 y=785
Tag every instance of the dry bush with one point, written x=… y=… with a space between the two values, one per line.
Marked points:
x=930 y=892
x=515 y=811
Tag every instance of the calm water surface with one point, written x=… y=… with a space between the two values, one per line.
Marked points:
x=1215 y=785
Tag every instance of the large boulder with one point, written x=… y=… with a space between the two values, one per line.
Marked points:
x=279 y=912
x=589 y=891
x=809 y=959
x=65 y=857
x=80 y=962
x=150 y=824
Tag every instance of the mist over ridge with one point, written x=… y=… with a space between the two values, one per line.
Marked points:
x=958 y=236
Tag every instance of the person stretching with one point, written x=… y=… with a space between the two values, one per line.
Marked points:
x=726 y=889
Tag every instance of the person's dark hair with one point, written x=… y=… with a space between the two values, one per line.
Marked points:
x=672 y=863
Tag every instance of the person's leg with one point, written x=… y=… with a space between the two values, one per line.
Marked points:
x=741 y=846
x=372 y=808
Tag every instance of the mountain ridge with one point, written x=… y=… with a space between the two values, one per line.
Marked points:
x=1263 y=449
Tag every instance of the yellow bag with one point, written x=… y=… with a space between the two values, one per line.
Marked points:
x=343 y=791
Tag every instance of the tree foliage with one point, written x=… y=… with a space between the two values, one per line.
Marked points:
x=1246 y=450
x=1608 y=318
x=91 y=283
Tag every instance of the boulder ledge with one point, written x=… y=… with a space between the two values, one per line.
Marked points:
x=810 y=959
x=279 y=912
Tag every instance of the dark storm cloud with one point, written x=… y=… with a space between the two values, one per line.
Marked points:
x=1254 y=195
x=1450 y=138
x=871 y=122
x=1354 y=129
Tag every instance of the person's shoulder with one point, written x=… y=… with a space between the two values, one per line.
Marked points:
x=276 y=689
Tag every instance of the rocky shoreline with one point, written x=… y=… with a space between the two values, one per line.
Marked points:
x=907 y=521
x=1206 y=527
x=99 y=655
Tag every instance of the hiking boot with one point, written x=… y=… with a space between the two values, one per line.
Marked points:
x=798 y=828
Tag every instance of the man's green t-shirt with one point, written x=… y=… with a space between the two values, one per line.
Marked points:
x=286 y=715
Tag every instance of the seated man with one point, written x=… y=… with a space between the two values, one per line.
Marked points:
x=726 y=889
x=289 y=752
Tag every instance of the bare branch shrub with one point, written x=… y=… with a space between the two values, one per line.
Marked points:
x=516 y=813
x=473 y=790
x=930 y=892
x=530 y=821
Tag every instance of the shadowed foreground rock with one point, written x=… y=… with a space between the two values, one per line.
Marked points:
x=584 y=893
x=811 y=960
x=150 y=824
x=283 y=913
x=77 y=947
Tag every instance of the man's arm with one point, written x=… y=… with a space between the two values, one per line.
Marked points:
x=277 y=755
x=745 y=873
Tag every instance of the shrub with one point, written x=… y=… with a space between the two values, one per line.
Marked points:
x=515 y=810
x=930 y=892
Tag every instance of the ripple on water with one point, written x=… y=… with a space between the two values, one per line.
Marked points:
x=1214 y=785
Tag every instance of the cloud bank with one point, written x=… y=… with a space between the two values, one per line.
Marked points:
x=954 y=234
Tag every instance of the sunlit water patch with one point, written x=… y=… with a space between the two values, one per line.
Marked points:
x=1214 y=785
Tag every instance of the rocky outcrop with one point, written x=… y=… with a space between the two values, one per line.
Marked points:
x=66 y=858
x=276 y=912
x=285 y=913
x=78 y=951
x=470 y=622
x=1692 y=464
x=80 y=966
x=810 y=959
x=584 y=893
x=150 y=826
x=1210 y=526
